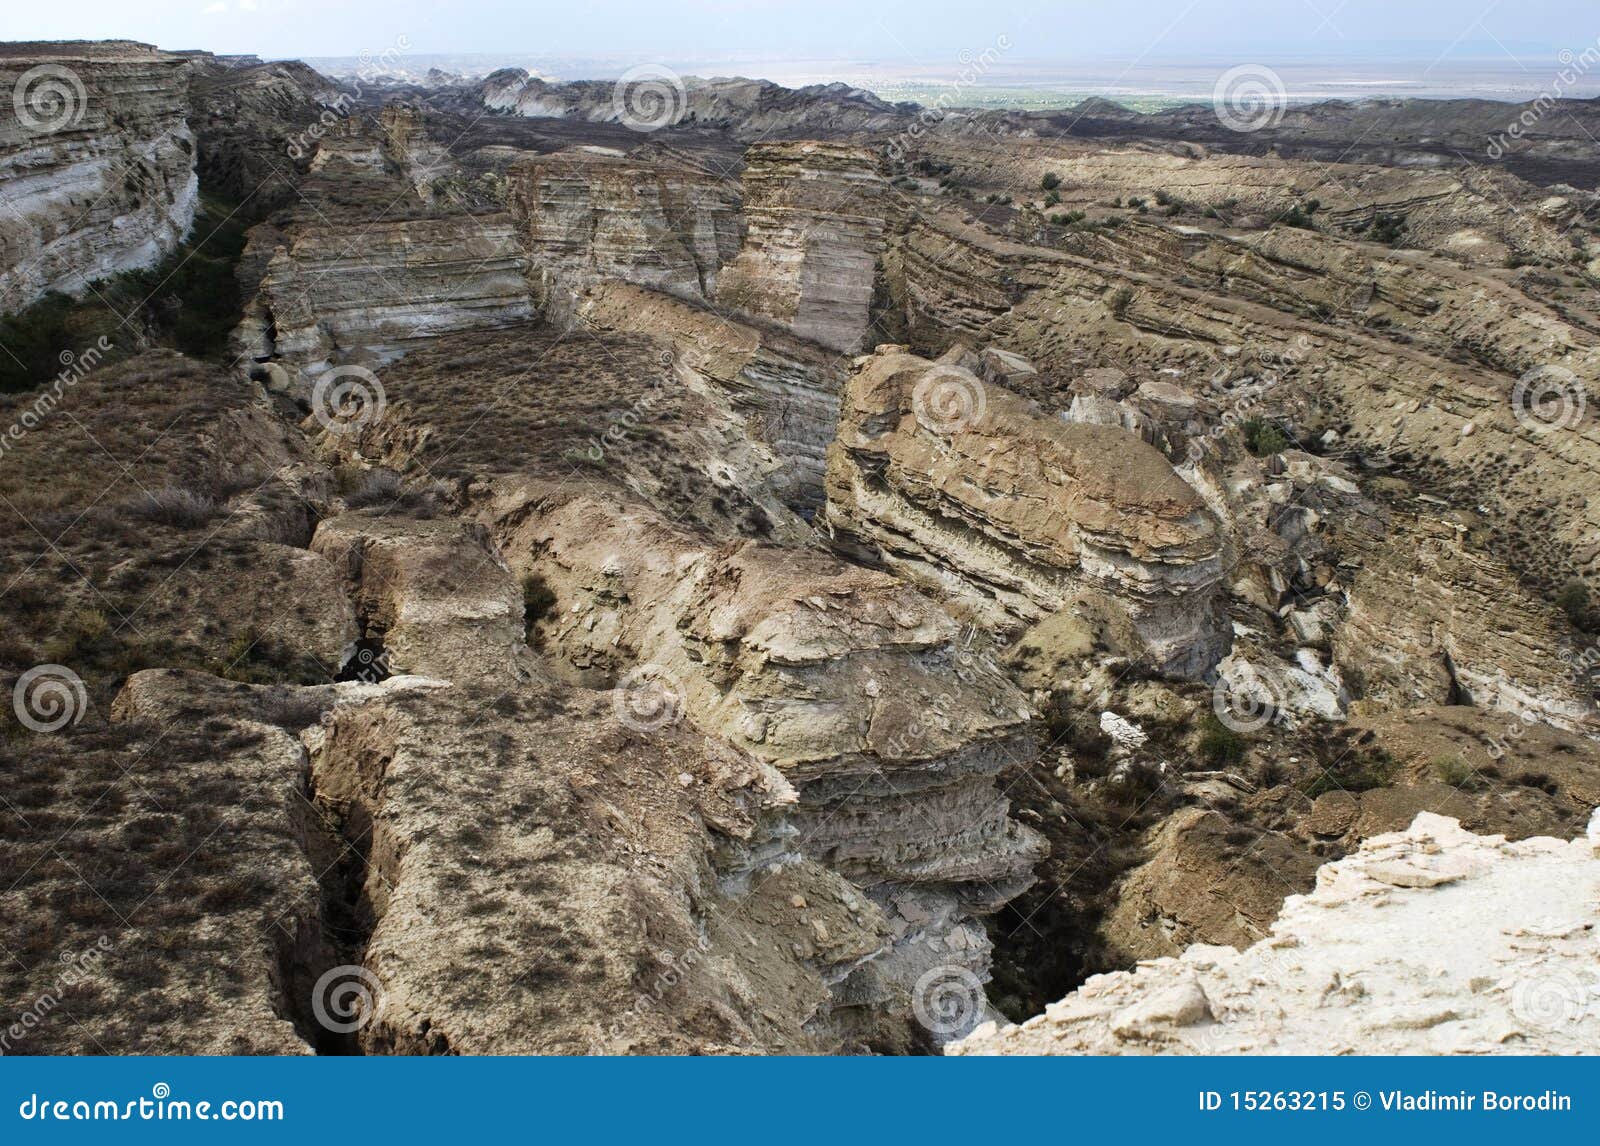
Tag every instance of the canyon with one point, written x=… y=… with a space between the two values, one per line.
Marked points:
x=800 y=574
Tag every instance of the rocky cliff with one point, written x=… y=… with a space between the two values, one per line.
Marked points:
x=587 y=214
x=817 y=215
x=1017 y=517
x=656 y=98
x=97 y=165
x=1427 y=941
x=859 y=690
x=336 y=292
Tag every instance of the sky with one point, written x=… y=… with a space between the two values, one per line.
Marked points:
x=926 y=32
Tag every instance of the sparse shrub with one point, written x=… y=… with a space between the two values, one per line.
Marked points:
x=376 y=487
x=1076 y=730
x=1117 y=301
x=756 y=521
x=1355 y=773
x=1387 y=228
x=84 y=638
x=1296 y=216
x=173 y=505
x=1453 y=770
x=1261 y=437
x=1573 y=600
x=1219 y=745
x=1052 y=199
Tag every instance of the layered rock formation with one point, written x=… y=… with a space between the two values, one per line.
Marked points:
x=816 y=215
x=786 y=389
x=590 y=213
x=1426 y=941
x=855 y=687
x=337 y=292
x=655 y=99
x=1428 y=622
x=1016 y=517
x=254 y=123
x=97 y=166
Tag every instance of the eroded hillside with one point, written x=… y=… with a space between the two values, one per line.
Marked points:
x=764 y=581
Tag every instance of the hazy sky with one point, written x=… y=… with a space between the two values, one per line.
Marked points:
x=925 y=32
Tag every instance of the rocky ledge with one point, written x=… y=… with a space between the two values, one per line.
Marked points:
x=1427 y=941
x=1018 y=518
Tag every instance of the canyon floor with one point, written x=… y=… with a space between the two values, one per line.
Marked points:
x=499 y=567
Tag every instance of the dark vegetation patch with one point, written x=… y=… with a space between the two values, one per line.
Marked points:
x=190 y=301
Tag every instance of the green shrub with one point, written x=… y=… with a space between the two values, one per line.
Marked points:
x=1219 y=745
x=1262 y=438
x=1050 y=181
x=1117 y=301
x=1390 y=229
x=1355 y=773
x=1573 y=600
x=1453 y=770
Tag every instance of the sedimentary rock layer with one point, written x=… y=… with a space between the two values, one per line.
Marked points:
x=589 y=213
x=852 y=684
x=334 y=291
x=961 y=486
x=96 y=167
x=816 y=216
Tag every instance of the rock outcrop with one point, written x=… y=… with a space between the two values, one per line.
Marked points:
x=97 y=165
x=654 y=99
x=858 y=689
x=589 y=213
x=1427 y=941
x=817 y=216
x=1016 y=517
x=336 y=292
x=786 y=388
x=1427 y=624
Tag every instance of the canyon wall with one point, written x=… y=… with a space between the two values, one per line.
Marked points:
x=1015 y=517
x=817 y=216
x=97 y=165
x=591 y=213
